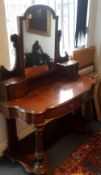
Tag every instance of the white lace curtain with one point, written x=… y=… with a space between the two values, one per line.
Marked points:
x=65 y=9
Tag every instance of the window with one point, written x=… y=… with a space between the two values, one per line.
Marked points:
x=65 y=9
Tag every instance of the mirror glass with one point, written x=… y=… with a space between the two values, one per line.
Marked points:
x=37 y=31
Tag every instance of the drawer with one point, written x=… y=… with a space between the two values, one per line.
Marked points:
x=68 y=107
x=63 y=109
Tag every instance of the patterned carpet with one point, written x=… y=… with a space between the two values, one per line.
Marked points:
x=86 y=160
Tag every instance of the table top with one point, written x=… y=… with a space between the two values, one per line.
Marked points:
x=51 y=95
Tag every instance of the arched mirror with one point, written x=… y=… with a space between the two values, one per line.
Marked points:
x=38 y=38
x=37 y=28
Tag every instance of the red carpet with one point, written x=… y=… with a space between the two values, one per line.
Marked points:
x=86 y=160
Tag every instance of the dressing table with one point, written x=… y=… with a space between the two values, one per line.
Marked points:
x=41 y=93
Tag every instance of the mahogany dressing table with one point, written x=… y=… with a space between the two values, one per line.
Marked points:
x=39 y=98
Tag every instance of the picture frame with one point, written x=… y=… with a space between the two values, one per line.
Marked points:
x=39 y=22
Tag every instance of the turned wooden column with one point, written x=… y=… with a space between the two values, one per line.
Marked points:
x=40 y=160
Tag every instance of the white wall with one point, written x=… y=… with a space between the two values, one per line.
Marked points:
x=94 y=31
x=4 y=54
x=4 y=61
x=92 y=22
x=98 y=37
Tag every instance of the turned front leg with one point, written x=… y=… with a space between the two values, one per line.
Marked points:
x=40 y=160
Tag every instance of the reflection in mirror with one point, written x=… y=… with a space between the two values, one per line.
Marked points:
x=39 y=21
x=37 y=30
x=36 y=57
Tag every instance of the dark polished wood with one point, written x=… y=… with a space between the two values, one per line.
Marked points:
x=68 y=69
x=43 y=99
x=46 y=101
x=11 y=128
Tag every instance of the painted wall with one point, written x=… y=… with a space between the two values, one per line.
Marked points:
x=92 y=22
x=4 y=54
x=94 y=31
x=5 y=61
x=98 y=37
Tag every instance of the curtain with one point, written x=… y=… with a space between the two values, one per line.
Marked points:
x=81 y=21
